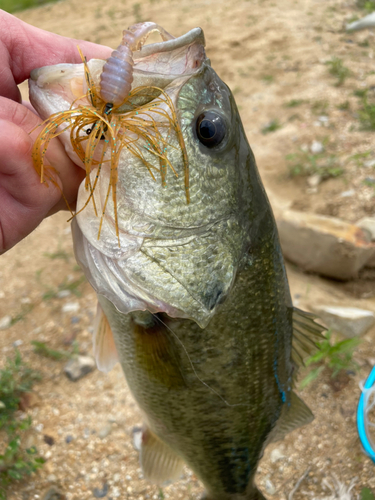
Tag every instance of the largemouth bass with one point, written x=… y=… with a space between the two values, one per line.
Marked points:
x=195 y=302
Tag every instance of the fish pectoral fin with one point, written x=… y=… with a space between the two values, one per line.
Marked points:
x=293 y=415
x=159 y=463
x=306 y=335
x=105 y=351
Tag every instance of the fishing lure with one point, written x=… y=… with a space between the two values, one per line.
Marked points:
x=99 y=131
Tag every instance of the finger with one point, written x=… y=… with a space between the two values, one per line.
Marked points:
x=24 y=201
x=25 y=48
x=69 y=173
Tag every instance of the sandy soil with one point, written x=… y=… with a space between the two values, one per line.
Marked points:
x=268 y=53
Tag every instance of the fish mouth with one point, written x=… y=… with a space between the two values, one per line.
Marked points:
x=150 y=277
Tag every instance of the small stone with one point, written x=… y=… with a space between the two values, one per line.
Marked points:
x=17 y=343
x=276 y=455
x=70 y=307
x=314 y=180
x=101 y=493
x=105 y=431
x=270 y=489
x=74 y=320
x=128 y=478
x=49 y=440
x=78 y=367
x=115 y=492
x=62 y=294
x=5 y=322
x=39 y=427
x=349 y=321
x=51 y=478
x=316 y=147
x=324 y=119
x=53 y=494
x=369 y=163
x=368 y=223
x=348 y=193
x=69 y=438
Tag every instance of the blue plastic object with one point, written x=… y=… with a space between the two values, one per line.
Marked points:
x=361 y=417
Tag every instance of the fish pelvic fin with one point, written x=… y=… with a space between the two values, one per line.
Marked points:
x=159 y=463
x=306 y=335
x=293 y=415
x=104 y=347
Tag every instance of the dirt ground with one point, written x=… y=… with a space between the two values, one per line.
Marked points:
x=269 y=53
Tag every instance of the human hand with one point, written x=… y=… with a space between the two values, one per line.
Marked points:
x=24 y=201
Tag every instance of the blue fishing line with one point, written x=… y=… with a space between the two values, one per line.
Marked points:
x=361 y=417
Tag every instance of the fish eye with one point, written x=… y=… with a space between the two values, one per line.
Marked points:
x=211 y=129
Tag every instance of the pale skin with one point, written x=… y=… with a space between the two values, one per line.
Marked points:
x=24 y=201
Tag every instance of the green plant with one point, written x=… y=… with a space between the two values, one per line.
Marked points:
x=367 y=5
x=335 y=356
x=320 y=107
x=268 y=78
x=16 y=379
x=367 y=494
x=271 y=126
x=366 y=114
x=338 y=70
x=293 y=103
x=16 y=5
x=42 y=349
x=304 y=163
x=344 y=106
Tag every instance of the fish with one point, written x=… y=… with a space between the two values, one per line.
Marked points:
x=193 y=297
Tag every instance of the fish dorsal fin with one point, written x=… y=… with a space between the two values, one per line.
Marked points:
x=105 y=351
x=159 y=463
x=306 y=334
x=293 y=415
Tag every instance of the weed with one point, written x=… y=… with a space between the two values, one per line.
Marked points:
x=268 y=78
x=271 y=126
x=338 y=70
x=16 y=5
x=359 y=157
x=304 y=163
x=72 y=286
x=59 y=254
x=365 y=43
x=366 y=114
x=336 y=356
x=320 y=107
x=137 y=12
x=161 y=494
x=16 y=379
x=367 y=494
x=344 y=106
x=294 y=103
x=367 y=5
x=42 y=349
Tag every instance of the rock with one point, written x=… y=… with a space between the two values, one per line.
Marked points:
x=78 y=367
x=369 y=163
x=62 y=294
x=72 y=307
x=324 y=245
x=276 y=455
x=367 y=223
x=314 y=180
x=69 y=439
x=53 y=494
x=348 y=193
x=349 y=321
x=5 y=322
x=101 y=493
x=17 y=343
x=105 y=431
x=269 y=487
x=316 y=147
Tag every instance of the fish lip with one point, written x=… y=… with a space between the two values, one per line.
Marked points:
x=193 y=36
